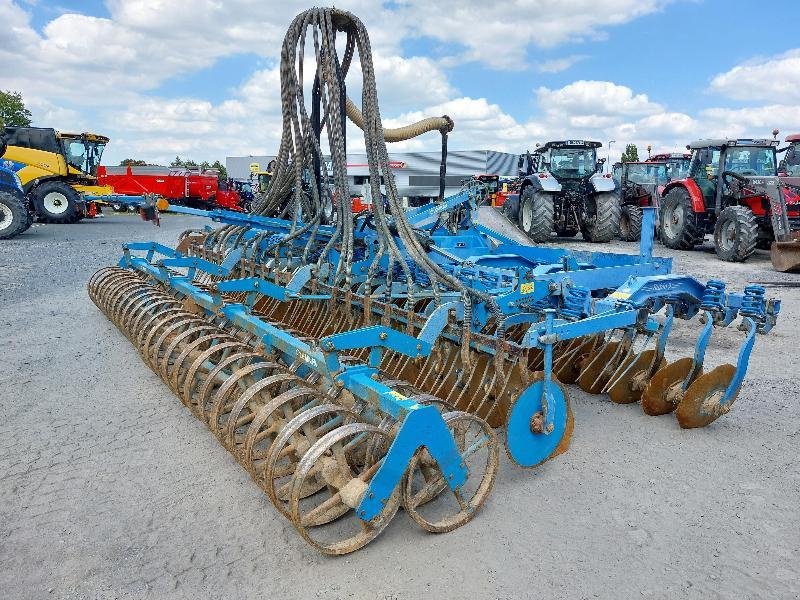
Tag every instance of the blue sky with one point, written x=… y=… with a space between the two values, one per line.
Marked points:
x=200 y=78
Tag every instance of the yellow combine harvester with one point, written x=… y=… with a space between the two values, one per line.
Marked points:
x=55 y=169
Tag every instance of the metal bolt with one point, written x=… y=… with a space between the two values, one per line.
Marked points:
x=383 y=335
x=537 y=423
x=371 y=495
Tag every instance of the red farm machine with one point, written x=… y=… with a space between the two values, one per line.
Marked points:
x=733 y=191
x=178 y=185
x=677 y=164
x=640 y=185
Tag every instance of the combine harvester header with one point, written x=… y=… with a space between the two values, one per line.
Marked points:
x=378 y=362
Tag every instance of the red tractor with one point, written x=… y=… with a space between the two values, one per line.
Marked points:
x=677 y=164
x=639 y=186
x=790 y=165
x=732 y=191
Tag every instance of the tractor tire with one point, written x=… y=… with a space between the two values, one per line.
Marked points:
x=679 y=227
x=735 y=234
x=56 y=202
x=605 y=225
x=14 y=216
x=536 y=214
x=630 y=223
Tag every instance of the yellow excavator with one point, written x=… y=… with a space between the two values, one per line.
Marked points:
x=56 y=170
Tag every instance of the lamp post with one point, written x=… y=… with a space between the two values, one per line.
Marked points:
x=608 y=156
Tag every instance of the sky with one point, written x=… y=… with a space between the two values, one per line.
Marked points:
x=200 y=79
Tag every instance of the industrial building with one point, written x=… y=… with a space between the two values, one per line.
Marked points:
x=416 y=173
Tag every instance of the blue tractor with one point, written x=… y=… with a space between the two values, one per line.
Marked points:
x=14 y=214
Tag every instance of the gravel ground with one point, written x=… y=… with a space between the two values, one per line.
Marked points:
x=109 y=488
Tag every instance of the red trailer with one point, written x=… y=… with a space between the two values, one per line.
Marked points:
x=191 y=187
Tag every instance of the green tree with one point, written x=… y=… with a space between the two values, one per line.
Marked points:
x=185 y=163
x=631 y=153
x=223 y=172
x=132 y=162
x=13 y=111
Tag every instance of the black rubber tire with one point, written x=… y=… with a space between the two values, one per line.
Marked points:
x=14 y=216
x=70 y=214
x=605 y=225
x=537 y=205
x=690 y=231
x=630 y=223
x=735 y=234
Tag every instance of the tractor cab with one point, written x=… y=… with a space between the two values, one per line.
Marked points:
x=677 y=164
x=262 y=181
x=82 y=151
x=717 y=167
x=790 y=163
x=570 y=160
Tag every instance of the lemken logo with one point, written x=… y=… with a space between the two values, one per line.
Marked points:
x=661 y=287
x=306 y=358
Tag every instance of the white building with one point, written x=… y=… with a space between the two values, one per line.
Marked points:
x=416 y=173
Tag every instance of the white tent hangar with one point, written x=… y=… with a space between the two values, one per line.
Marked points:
x=416 y=173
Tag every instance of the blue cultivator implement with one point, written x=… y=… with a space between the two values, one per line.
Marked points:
x=378 y=362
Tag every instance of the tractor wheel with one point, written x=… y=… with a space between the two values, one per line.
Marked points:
x=536 y=214
x=56 y=202
x=604 y=225
x=630 y=223
x=117 y=207
x=680 y=228
x=14 y=216
x=735 y=234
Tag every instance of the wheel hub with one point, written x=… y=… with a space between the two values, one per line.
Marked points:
x=55 y=203
x=5 y=217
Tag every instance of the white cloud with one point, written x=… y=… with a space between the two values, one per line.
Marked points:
x=499 y=34
x=601 y=98
x=557 y=65
x=775 y=79
x=84 y=72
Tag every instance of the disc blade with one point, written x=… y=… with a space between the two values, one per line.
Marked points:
x=628 y=388
x=701 y=403
x=595 y=374
x=567 y=368
x=662 y=394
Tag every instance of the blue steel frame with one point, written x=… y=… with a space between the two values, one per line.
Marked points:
x=642 y=288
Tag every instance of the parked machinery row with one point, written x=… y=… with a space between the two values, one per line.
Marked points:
x=731 y=189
